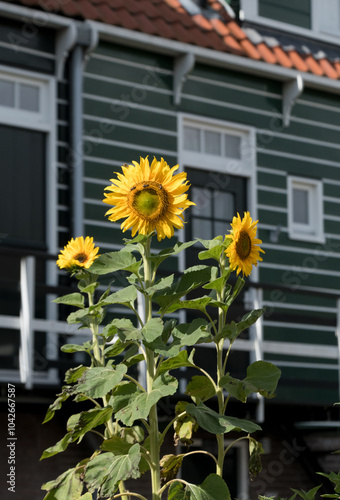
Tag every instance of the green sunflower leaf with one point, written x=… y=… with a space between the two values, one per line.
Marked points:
x=72 y=299
x=139 y=406
x=157 y=259
x=113 y=262
x=213 y=488
x=233 y=330
x=126 y=330
x=182 y=359
x=57 y=404
x=192 y=278
x=124 y=296
x=198 y=304
x=98 y=381
x=264 y=377
x=59 y=447
x=67 y=485
x=105 y=471
x=185 y=335
x=215 y=423
x=200 y=388
x=152 y=330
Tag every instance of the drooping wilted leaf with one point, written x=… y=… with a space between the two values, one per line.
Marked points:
x=255 y=452
x=170 y=465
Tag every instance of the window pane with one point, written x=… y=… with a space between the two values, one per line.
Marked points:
x=300 y=206
x=22 y=177
x=221 y=228
x=29 y=97
x=212 y=143
x=232 y=146
x=6 y=93
x=202 y=198
x=224 y=205
x=192 y=139
x=201 y=228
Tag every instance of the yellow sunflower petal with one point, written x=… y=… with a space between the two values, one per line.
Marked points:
x=78 y=254
x=243 y=251
x=149 y=197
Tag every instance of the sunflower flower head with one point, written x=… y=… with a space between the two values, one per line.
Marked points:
x=79 y=253
x=243 y=251
x=149 y=198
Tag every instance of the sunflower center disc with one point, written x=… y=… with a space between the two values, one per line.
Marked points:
x=243 y=245
x=149 y=200
x=81 y=257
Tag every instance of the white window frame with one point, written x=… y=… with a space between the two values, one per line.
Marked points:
x=245 y=167
x=43 y=121
x=322 y=24
x=314 y=231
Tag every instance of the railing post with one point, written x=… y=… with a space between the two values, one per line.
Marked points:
x=337 y=333
x=257 y=333
x=141 y=312
x=27 y=292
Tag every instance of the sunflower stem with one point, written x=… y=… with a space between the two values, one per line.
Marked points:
x=220 y=372
x=100 y=361
x=150 y=377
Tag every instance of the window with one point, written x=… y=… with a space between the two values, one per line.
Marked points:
x=323 y=17
x=218 y=198
x=26 y=127
x=228 y=149
x=305 y=211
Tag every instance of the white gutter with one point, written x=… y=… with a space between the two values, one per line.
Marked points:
x=66 y=29
x=38 y=17
x=173 y=48
x=212 y=57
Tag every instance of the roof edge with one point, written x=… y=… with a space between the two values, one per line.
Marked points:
x=211 y=57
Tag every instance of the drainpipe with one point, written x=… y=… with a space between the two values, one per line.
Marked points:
x=87 y=39
x=76 y=144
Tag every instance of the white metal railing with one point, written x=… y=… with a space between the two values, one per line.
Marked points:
x=27 y=324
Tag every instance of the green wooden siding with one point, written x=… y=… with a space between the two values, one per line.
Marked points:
x=290 y=11
x=129 y=111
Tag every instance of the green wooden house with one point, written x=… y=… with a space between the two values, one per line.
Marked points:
x=244 y=95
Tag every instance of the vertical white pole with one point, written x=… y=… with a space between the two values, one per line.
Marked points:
x=337 y=333
x=258 y=339
x=141 y=312
x=27 y=291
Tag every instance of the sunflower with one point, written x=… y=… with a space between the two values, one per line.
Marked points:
x=77 y=254
x=149 y=197
x=243 y=251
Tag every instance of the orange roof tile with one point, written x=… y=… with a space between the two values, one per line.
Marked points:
x=328 y=69
x=297 y=61
x=266 y=54
x=313 y=65
x=209 y=27
x=250 y=49
x=282 y=57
